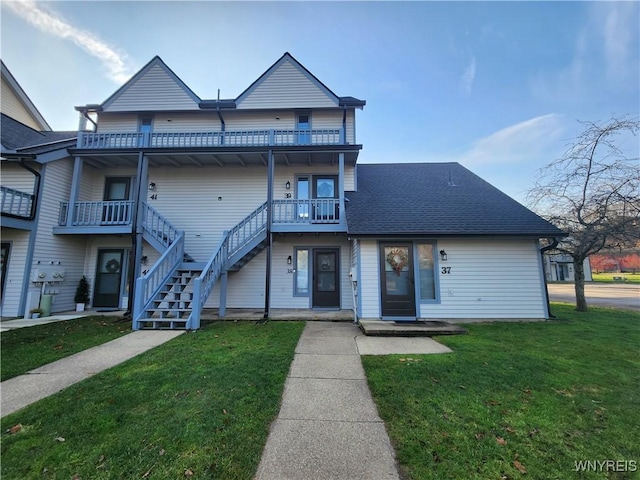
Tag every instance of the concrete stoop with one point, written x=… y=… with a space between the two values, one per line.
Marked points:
x=409 y=329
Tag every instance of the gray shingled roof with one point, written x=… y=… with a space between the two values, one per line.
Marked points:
x=435 y=199
x=16 y=135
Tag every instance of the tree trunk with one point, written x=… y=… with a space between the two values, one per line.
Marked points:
x=581 y=300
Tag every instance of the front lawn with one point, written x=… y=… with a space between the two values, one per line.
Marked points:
x=24 y=349
x=198 y=406
x=609 y=277
x=518 y=400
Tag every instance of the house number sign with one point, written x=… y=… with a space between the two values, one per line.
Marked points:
x=445 y=270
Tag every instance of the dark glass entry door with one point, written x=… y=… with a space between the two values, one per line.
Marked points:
x=108 y=278
x=326 y=278
x=4 y=263
x=396 y=280
x=116 y=189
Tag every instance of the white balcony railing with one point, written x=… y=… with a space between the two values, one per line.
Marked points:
x=16 y=203
x=317 y=210
x=243 y=138
x=106 y=213
x=112 y=213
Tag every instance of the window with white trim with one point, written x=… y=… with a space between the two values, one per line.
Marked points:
x=301 y=272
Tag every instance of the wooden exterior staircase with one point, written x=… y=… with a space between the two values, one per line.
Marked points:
x=174 y=290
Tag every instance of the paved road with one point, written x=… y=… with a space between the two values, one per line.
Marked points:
x=599 y=294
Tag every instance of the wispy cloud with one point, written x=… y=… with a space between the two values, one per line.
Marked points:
x=467 y=78
x=618 y=29
x=523 y=142
x=51 y=23
x=605 y=56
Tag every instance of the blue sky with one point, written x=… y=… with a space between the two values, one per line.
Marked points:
x=496 y=86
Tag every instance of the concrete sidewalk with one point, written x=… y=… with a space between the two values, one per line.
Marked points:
x=18 y=392
x=328 y=426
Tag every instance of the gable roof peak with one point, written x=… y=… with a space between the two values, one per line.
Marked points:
x=155 y=61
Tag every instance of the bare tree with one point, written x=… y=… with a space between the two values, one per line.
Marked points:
x=593 y=193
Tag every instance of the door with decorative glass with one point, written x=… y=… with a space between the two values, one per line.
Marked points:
x=108 y=278
x=397 y=285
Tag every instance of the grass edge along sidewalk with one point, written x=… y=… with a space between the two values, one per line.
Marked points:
x=199 y=405
x=518 y=399
x=24 y=349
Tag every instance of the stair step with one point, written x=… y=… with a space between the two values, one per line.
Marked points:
x=163 y=324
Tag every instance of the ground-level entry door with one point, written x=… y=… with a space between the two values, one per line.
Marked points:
x=110 y=274
x=326 y=278
x=396 y=280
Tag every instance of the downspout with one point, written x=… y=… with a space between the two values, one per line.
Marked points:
x=85 y=114
x=267 y=286
x=344 y=125
x=34 y=204
x=552 y=245
x=222 y=124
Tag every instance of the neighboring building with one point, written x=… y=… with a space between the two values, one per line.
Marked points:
x=28 y=146
x=259 y=202
x=559 y=268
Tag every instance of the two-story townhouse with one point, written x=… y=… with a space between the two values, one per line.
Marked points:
x=174 y=204
x=180 y=193
x=30 y=256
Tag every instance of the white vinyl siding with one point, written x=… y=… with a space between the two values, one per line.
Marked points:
x=14 y=108
x=491 y=278
x=118 y=123
x=17 y=178
x=326 y=119
x=287 y=87
x=19 y=241
x=188 y=198
x=186 y=122
x=245 y=288
x=369 y=279
x=275 y=119
x=69 y=250
x=154 y=90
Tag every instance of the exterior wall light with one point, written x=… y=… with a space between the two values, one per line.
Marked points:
x=289 y=260
x=152 y=186
x=287 y=185
x=443 y=255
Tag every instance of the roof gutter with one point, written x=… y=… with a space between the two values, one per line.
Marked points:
x=551 y=246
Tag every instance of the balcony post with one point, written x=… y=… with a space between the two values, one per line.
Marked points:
x=222 y=311
x=341 y=187
x=75 y=189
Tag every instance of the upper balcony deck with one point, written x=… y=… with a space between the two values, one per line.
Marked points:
x=211 y=139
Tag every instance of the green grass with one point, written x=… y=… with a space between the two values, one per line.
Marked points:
x=608 y=277
x=24 y=349
x=517 y=397
x=198 y=406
